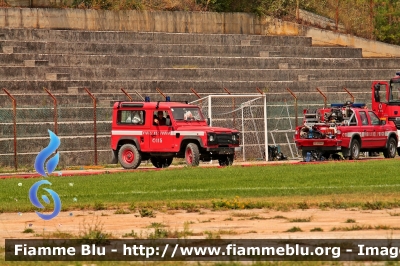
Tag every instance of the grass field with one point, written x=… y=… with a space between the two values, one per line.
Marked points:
x=371 y=184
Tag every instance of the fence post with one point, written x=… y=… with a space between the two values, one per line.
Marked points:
x=14 y=102
x=323 y=95
x=198 y=96
x=160 y=92
x=351 y=95
x=210 y=109
x=138 y=94
x=55 y=110
x=94 y=124
x=295 y=105
x=127 y=95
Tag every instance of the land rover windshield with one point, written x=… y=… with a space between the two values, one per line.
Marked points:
x=394 y=94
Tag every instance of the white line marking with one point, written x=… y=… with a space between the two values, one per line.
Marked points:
x=238 y=188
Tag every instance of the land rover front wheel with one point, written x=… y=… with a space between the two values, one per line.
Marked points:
x=161 y=162
x=390 y=150
x=129 y=156
x=225 y=160
x=192 y=155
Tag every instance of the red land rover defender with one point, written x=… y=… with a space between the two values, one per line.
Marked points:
x=160 y=131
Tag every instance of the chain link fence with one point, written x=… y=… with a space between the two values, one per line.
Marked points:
x=84 y=128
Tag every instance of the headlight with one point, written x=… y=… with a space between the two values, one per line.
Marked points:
x=235 y=137
x=211 y=138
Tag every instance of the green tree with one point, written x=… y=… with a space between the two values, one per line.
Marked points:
x=387 y=21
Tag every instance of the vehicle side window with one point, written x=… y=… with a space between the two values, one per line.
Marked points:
x=374 y=118
x=159 y=118
x=131 y=117
x=364 y=119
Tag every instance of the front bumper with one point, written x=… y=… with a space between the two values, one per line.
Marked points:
x=221 y=150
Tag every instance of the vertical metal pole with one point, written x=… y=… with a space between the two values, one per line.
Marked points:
x=233 y=108
x=210 y=109
x=55 y=110
x=265 y=127
x=94 y=125
x=14 y=102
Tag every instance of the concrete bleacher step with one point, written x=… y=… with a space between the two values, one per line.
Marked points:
x=13 y=49
x=184 y=49
x=58 y=76
x=43 y=100
x=181 y=86
x=35 y=63
x=204 y=74
x=67 y=158
x=179 y=61
x=64 y=113
x=67 y=143
x=150 y=37
x=82 y=128
x=182 y=62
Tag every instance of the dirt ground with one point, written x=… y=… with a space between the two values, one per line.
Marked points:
x=229 y=224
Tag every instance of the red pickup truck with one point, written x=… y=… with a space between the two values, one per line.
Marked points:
x=347 y=128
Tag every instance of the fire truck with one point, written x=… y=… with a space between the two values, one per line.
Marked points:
x=161 y=131
x=386 y=101
x=347 y=129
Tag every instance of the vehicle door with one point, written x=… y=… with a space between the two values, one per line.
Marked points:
x=367 y=131
x=379 y=137
x=160 y=139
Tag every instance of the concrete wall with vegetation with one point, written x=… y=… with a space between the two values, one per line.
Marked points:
x=182 y=22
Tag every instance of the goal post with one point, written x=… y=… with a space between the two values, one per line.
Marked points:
x=245 y=113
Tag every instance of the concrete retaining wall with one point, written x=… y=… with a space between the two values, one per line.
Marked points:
x=182 y=22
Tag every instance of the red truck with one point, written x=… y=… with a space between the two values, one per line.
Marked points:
x=386 y=101
x=161 y=131
x=347 y=128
